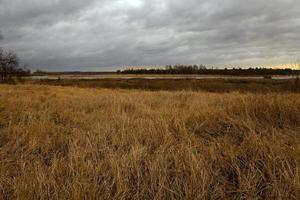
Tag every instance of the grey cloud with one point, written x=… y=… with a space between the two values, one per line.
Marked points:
x=19 y=12
x=105 y=34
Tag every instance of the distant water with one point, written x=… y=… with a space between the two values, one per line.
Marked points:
x=91 y=77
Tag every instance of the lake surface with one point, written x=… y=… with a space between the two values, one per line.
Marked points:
x=92 y=77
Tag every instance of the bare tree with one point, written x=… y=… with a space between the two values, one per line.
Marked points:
x=9 y=66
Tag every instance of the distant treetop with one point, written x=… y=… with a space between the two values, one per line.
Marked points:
x=203 y=70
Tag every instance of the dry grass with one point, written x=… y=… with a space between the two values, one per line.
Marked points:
x=71 y=143
x=204 y=85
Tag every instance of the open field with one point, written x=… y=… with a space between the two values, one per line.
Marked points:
x=75 y=143
x=173 y=84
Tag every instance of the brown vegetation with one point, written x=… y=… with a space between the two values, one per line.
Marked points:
x=207 y=85
x=72 y=143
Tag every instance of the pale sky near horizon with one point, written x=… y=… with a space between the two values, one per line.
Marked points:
x=102 y=35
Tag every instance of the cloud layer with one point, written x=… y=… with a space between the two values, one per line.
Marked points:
x=106 y=34
x=1 y=36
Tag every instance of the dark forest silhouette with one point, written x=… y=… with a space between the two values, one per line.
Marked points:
x=203 y=70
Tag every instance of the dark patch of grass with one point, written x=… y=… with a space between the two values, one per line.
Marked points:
x=209 y=85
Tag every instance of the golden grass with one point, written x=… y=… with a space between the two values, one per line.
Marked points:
x=71 y=143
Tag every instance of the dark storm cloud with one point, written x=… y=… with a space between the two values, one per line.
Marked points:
x=98 y=35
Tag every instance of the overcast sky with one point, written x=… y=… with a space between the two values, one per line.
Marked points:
x=106 y=34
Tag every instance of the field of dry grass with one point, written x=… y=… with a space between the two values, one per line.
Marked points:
x=71 y=143
x=204 y=85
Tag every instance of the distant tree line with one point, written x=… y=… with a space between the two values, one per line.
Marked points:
x=10 y=66
x=203 y=70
